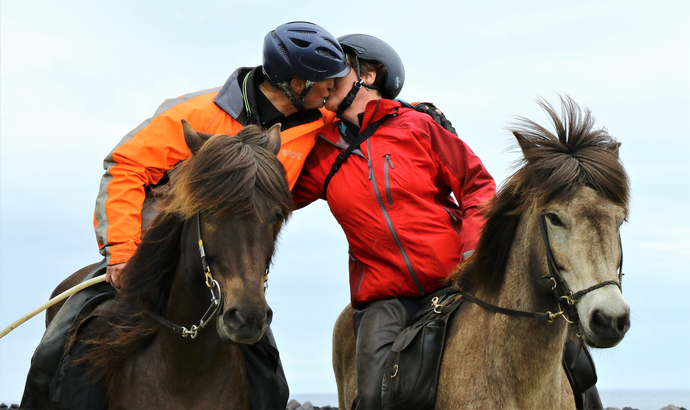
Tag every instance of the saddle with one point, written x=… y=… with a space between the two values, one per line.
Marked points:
x=410 y=378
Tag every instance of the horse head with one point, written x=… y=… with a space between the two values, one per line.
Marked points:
x=579 y=189
x=234 y=197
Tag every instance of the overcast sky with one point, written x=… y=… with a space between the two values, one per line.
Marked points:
x=78 y=75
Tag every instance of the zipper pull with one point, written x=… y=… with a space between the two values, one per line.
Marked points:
x=388 y=158
x=370 y=169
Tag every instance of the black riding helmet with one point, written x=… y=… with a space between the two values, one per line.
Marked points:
x=302 y=49
x=367 y=47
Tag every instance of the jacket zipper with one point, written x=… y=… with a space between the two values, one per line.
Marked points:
x=390 y=223
x=452 y=218
x=385 y=175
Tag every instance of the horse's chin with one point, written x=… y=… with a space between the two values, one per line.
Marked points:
x=593 y=340
x=244 y=334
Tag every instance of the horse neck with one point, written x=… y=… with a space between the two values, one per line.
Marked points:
x=518 y=345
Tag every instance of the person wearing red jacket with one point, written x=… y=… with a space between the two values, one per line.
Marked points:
x=300 y=62
x=407 y=193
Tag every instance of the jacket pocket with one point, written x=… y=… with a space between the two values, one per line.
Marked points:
x=356 y=273
x=388 y=164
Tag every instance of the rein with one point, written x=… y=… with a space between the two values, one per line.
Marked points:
x=216 y=301
x=560 y=289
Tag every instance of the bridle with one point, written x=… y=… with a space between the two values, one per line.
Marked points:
x=217 y=296
x=560 y=288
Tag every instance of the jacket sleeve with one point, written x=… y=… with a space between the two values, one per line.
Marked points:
x=140 y=159
x=309 y=186
x=464 y=174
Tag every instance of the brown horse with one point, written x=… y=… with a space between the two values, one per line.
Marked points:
x=233 y=195
x=573 y=181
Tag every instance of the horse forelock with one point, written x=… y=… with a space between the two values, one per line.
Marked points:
x=577 y=154
x=553 y=166
x=225 y=176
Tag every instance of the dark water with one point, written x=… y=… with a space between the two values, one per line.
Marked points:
x=645 y=399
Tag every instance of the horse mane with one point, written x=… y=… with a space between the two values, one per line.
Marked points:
x=553 y=166
x=226 y=176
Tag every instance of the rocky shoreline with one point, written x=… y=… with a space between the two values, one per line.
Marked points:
x=295 y=405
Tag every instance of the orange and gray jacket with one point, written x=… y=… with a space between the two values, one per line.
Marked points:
x=146 y=153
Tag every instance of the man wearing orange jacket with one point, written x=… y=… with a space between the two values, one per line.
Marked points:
x=300 y=61
x=287 y=91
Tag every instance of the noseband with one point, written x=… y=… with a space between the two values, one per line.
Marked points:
x=560 y=288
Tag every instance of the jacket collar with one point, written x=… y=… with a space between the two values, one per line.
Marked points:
x=239 y=96
x=377 y=109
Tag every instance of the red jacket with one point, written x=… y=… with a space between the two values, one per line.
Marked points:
x=393 y=199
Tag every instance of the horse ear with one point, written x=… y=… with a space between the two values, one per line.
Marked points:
x=193 y=139
x=274 y=142
x=617 y=148
x=522 y=141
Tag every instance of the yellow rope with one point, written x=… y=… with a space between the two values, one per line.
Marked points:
x=51 y=302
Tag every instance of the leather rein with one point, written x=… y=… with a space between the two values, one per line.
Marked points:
x=560 y=289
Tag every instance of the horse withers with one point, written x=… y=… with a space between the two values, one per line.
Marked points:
x=574 y=182
x=204 y=261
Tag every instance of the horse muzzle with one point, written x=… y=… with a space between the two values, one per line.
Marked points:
x=605 y=320
x=243 y=325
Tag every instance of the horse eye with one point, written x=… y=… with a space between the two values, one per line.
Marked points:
x=554 y=220
x=278 y=217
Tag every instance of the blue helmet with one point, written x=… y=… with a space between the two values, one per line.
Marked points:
x=302 y=49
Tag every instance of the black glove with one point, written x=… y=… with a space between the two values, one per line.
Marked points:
x=436 y=115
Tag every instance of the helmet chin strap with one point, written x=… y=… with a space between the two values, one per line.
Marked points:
x=356 y=86
x=297 y=102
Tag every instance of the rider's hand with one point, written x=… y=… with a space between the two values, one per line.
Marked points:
x=112 y=273
x=436 y=114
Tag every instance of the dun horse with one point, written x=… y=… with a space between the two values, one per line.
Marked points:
x=575 y=184
x=232 y=195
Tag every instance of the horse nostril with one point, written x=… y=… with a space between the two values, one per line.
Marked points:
x=231 y=317
x=269 y=316
x=598 y=321
x=623 y=323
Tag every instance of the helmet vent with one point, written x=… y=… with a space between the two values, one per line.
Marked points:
x=300 y=43
x=283 y=51
x=326 y=53
x=336 y=45
x=302 y=31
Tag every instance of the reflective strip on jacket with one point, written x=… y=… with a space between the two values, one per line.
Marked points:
x=393 y=199
x=145 y=154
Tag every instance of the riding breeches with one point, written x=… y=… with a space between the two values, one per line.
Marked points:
x=376 y=327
